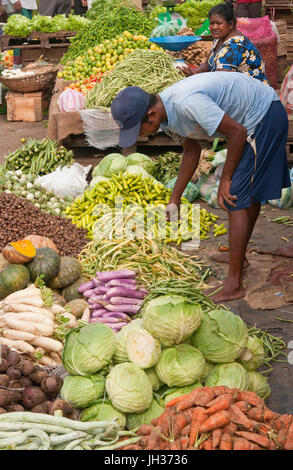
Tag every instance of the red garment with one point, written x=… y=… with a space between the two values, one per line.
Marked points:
x=247 y=1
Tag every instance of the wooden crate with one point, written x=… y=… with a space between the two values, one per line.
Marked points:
x=26 y=107
x=279 y=4
x=283 y=33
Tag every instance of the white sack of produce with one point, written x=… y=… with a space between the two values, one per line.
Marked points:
x=66 y=181
x=71 y=100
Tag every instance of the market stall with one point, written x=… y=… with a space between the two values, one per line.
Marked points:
x=109 y=339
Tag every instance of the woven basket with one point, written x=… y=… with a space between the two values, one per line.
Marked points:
x=41 y=80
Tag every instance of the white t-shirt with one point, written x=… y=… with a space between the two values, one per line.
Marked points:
x=28 y=4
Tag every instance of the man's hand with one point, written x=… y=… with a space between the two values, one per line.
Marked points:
x=224 y=194
x=84 y=3
x=173 y=211
x=17 y=6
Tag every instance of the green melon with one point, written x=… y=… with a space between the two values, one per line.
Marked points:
x=71 y=292
x=12 y=278
x=69 y=272
x=46 y=262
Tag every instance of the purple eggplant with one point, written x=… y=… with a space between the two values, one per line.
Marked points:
x=125 y=292
x=109 y=275
x=124 y=300
x=128 y=308
x=116 y=315
x=98 y=313
x=84 y=287
x=118 y=282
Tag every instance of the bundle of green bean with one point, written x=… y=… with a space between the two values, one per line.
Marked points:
x=153 y=71
x=167 y=166
x=37 y=431
x=152 y=260
x=273 y=347
x=24 y=186
x=39 y=157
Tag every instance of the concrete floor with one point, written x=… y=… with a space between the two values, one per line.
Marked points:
x=266 y=234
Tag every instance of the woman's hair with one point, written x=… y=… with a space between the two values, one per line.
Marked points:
x=225 y=11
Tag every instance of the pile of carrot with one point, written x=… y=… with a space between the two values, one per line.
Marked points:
x=217 y=418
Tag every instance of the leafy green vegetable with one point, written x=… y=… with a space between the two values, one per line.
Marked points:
x=134 y=420
x=155 y=381
x=142 y=349
x=81 y=392
x=129 y=388
x=175 y=392
x=17 y=25
x=221 y=337
x=121 y=350
x=171 y=319
x=233 y=375
x=112 y=164
x=88 y=349
x=253 y=355
x=259 y=384
x=180 y=365
x=139 y=159
x=103 y=411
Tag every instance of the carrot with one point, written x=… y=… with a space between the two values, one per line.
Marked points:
x=217 y=420
x=179 y=423
x=240 y=418
x=276 y=424
x=189 y=400
x=216 y=437
x=199 y=416
x=186 y=430
x=144 y=441
x=219 y=390
x=176 y=400
x=243 y=406
x=207 y=445
x=145 y=430
x=175 y=445
x=188 y=414
x=132 y=447
x=154 y=439
x=254 y=413
x=251 y=397
x=289 y=439
x=254 y=437
x=269 y=414
x=230 y=428
x=184 y=442
x=164 y=416
x=220 y=403
x=204 y=398
x=286 y=421
x=226 y=441
x=154 y=421
x=239 y=443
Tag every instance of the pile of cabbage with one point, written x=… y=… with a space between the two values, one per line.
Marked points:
x=115 y=163
x=172 y=349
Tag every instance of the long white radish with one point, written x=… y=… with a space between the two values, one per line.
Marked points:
x=28 y=308
x=29 y=317
x=30 y=327
x=56 y=309
x=55 y=356
x=47 y=361
x=49 y=344
x=86 y=315
x=18 y=335
x=72 y=320
x=20 y=346
x=29 y=291
x=35 y=301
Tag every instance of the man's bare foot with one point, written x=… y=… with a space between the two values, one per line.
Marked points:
x=224 y=258
x=284 y=250
x=227 y=292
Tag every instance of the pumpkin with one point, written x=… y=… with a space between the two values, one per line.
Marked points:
x=77 y=307
x=71 y=292
x=46 y=262
x=12 y=278
x=42 y=242
x=19 y=252
x=3 y=262
x=69 y=272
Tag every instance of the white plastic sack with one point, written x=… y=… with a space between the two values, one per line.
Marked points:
x=66 y=181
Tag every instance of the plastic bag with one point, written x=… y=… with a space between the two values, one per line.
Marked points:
x=207 y=186
x=191 y=191
x=286 y=200
x=66 y=181
x=167 y=27
x=286 y=95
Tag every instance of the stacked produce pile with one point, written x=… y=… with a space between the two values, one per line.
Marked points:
x=19 y=25
x=25 y=386
x=113 y=297
x=195 y=54
x=19 y=217
x=39 y=157
x=217 y=418
x=104 y=56
x=109 y=19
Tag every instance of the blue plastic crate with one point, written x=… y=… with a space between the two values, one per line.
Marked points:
x=175 y=43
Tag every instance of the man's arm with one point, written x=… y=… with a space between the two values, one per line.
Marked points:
x=189 y=163
x=236 y=135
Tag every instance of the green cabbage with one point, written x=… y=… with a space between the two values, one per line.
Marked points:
x=207 y=368
x=221 y=337
x=134 y=420
x=81 y=392
x=41 y=23
x=103 y=412
x=233 y=375
x=17 y=25
x=179 y=391
x=253 y=354
x=138 y=170
x=259 y=384
x=112 y=164
x=121 y=350
x=59 y=23
x=180 y=365
x=171 y=319
x=98 y=179
x=142 y=349
x=139 y=159
x=155 y=381
x=129 y=388
x=88 y=349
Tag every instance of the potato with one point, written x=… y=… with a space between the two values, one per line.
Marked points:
x=4 y=349
x=27 y=367
x=5 y=397
x=58 y=404
x=38 y=376
x=42 y=407
x=33 y=396
x=77 y=307
x=13 y=358
x=16 y=395
x=13 y=373
x=25 y=382
x=52 y=385
x=14 y=407
x=3 y=365
x=4 y=380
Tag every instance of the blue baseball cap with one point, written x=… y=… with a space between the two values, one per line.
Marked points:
x=128 y=108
